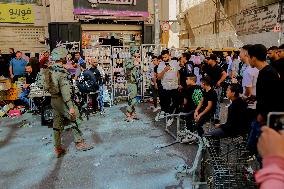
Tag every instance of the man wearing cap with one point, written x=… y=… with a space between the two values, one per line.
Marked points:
x=217 y=76
x=132 y=77
x=58 y=85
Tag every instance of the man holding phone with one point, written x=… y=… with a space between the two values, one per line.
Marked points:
x=168 y=73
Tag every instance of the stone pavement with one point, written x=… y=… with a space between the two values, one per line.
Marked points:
x=126 y=155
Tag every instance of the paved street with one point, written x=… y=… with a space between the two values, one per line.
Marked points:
x=126 y=155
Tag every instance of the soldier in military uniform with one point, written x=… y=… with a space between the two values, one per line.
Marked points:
x=58 y=85
x=132 y=78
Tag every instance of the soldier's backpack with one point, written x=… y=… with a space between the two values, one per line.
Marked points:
x=50 y=85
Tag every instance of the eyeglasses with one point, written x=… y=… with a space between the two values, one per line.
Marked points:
x=136 y=56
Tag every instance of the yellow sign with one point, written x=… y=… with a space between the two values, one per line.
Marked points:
x=14 y=13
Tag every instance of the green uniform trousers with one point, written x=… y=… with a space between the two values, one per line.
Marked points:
x=61 y=111
x=132 y=101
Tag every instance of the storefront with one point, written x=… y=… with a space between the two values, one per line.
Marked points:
x=116 y=23
x=22 y=27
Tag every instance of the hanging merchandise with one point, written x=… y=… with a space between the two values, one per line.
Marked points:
x=102 y=54
x=148 y=50
x=120 y=55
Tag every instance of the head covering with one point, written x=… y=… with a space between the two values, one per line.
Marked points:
x=59 y=53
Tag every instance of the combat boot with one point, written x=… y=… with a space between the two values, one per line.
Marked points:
x=59 y=152
x=82 y=146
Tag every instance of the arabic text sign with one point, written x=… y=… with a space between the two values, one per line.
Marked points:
x=124 y=8
x=257 y=20
x=95 y=3
x=13 y=13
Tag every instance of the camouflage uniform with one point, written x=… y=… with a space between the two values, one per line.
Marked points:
x=61 y=101
x=132 y=78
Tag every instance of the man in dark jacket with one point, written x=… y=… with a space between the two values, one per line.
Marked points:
x=237 y=120
x=87 y=80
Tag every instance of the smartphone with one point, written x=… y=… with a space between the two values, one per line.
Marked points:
x=275 y=120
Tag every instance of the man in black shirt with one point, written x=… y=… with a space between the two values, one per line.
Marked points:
x=218 y=76
x=186 y=67
x=237 y=120
x=97 y=74
x=268 y=82
x=206 y=107
x=30 y=78
x=193 y=94
x=268 y=93
x=278 y=63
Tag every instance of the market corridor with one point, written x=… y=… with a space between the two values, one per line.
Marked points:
x=125 y=155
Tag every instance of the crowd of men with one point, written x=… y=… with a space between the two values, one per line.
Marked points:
x=192 y=83
x=253 y=81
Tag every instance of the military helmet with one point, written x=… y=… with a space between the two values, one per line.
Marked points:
x=59 y=53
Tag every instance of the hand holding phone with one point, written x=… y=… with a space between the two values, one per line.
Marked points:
x=275 y=120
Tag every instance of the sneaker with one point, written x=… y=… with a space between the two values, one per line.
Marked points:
x=82 y=146
x=169 y=122
x=160 y=115
x=59 y=152
x=156 y=109
x=188 y=139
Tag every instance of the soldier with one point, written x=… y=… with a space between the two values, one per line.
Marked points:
x=58 y=85
x=132 y=77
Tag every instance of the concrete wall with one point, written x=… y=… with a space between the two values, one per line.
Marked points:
x=198 y=20
x=61 y=11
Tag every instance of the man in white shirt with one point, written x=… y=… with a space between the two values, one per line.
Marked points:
x=249 y=75
x=168 y=73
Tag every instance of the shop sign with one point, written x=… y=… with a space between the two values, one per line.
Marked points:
x=118 y=8
x=14 y=13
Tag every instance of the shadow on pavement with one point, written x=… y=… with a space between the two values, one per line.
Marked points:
x=50 y=180
x=13 y=129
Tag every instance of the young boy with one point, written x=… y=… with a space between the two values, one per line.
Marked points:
x=206 y=107
x=193 y=93
x=193 y=96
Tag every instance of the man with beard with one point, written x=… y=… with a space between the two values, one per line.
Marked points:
x=168 y=73
x=278 y=63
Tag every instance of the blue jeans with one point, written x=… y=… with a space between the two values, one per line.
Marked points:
x=23 y=96
x=253 y=136
x=218 y=91
x=100 y=97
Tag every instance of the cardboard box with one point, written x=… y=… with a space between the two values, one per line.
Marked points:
x=5 y=84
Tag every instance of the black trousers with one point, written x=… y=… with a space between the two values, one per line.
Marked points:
x=171 y=100
x=161 y=97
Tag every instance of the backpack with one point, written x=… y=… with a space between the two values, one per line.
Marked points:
x=49 y=84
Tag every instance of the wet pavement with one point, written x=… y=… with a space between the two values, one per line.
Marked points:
x=126 y=155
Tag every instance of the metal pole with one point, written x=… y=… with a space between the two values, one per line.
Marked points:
x=157 y=22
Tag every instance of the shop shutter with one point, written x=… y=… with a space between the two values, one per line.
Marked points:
x=63 y=32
